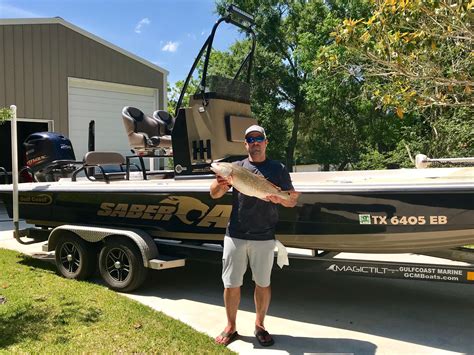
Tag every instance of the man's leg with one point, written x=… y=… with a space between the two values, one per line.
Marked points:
x=231 y=302
x=234 y=264
x=261 y=256
x=262 y=298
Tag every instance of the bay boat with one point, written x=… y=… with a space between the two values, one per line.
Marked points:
x=406 y=210
x=389 y=211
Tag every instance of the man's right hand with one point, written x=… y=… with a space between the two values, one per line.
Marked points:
x=220 y=186
x=224 y=181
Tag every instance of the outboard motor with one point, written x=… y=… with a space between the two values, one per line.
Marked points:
x=49 y=156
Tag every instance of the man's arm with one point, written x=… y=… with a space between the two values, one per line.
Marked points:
x=285 y=203
x=287 y=185
x=219 y=187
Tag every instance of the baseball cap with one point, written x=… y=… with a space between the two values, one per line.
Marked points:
x=255 y=128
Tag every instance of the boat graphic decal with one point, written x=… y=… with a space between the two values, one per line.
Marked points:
x=186 y=205
x=188 y=210
x=360 y=269
x=41 y=199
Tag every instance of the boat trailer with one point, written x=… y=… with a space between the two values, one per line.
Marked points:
x=328 y=262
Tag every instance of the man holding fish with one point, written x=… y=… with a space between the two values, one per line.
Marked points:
x=259 y=185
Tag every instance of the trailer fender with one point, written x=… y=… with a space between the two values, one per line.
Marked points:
x=94 y=234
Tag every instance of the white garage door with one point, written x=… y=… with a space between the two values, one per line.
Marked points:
x=103 y=102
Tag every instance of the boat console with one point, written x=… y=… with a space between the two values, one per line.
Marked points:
x=212 y=127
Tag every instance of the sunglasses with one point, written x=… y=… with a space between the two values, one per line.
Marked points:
x=258 y=139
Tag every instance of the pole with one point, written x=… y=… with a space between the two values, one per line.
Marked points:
x=14 y=138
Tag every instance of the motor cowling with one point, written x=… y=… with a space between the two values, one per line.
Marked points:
x=49 y=155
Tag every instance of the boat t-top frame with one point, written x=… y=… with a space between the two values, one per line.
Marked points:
x=236 y=17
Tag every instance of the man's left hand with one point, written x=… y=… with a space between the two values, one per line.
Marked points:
x=275 y=199
x=285 y=202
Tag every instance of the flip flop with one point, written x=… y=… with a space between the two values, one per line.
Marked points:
x=261 y=335
x=230 y=337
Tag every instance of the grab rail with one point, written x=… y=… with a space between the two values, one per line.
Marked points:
x=422 y=161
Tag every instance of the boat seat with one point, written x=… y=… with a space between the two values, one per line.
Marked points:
x=147 y=134
x=110 y=165
x=165 y=119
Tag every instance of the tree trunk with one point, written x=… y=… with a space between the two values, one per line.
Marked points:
x=342 y=166
x=290 y=149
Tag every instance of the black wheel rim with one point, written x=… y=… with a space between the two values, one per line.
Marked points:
x=69 y=257
x=117 y=264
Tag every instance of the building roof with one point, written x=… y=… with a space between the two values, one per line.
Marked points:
x=59 y=20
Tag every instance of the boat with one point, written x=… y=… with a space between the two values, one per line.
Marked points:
x=384 y=211
x=393 y=211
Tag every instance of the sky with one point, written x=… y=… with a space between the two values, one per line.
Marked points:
x=168 y=33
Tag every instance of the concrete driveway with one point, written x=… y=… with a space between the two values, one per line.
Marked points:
x=315 y=313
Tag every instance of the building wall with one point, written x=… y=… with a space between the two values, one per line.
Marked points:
x=37 y=59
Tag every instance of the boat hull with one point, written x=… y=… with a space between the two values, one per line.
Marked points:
x=354 y=221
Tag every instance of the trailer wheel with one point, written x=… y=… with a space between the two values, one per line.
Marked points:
x=75 y=259
x=121 y=265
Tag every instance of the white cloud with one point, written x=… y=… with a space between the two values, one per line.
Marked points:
x=141 y=23
x=170 y=46
x=159 y=63
x=9 y=11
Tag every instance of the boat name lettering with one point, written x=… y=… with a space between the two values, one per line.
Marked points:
x=187 y=209
x=401 y=220
x=360 y=269
x=41 y=199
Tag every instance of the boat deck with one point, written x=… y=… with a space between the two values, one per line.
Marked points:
x=374 y=180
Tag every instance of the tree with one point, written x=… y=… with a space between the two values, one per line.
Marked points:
x=420 y=50
x=175 y=91
x=287 y=32
x=5 y=114
x=415 y=58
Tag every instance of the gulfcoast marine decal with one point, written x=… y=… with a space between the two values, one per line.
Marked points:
x=187 y=209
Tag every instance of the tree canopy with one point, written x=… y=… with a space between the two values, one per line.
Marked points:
x=360 y=84
x=5 y=114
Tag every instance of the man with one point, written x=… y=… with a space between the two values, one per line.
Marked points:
x=250 y=235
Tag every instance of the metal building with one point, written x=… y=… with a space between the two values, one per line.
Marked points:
x=62 y=77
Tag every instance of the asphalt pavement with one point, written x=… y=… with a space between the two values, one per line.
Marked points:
x=314 y=313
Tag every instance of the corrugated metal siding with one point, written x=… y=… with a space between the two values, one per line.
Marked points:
x=37 y=59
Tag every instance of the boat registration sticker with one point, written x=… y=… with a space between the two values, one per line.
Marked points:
x=365 y=219
x=368 y=218
x=470 y=275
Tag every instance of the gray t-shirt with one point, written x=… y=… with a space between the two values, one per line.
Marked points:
x=251 y=217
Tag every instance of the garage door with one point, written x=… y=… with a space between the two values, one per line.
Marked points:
x=103 y=103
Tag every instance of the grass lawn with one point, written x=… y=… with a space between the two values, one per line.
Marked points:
x=47 y=313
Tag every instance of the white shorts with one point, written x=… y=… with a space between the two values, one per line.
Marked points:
x=240 y=252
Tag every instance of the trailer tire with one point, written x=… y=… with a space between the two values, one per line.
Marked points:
x=75 y=259
x=121 y=265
